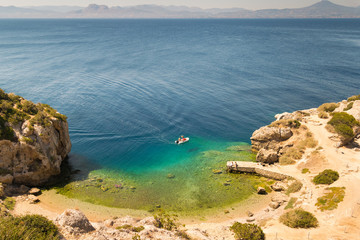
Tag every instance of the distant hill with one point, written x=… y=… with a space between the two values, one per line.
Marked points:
x=323 y=9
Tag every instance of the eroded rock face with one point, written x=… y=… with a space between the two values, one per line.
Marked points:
x=37 y=155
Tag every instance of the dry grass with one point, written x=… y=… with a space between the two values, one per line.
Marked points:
x=323 y=115
x=328 y=107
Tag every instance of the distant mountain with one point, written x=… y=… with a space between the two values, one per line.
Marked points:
x=323 y=9
x=58 y=9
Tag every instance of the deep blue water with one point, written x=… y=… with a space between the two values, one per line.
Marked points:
x=131 y=87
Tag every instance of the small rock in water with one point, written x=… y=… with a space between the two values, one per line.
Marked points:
x=226 y=184
x=158 y=206
x=170 y=176
x=216 y=171
x=132 y=188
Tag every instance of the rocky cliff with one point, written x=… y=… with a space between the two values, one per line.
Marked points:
x=34 y=140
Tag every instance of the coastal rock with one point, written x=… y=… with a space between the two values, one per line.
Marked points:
x=267 y=156
x=268 y=137
x=74 y=221
x=355 y=110
x=2 y=193
x=35 y=146
x=35 y=191
x=250 y=214
x=261 y=191
x=7 y=179
x=274 y=205
x=33 y=199
x=278 y=186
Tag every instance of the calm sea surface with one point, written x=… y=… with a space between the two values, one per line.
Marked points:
x=131 y=87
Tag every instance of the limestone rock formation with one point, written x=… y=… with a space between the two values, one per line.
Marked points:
x=74 y=221
x=267 y=156
x=34 y=140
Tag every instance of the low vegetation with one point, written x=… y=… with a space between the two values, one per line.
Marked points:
x=9 y=203
x=131 y=228
x=353 y=98
x=328 y=107
x=343 y=125
x=296 y=152
x=349 y=106
x=165 y=220
x=246 y=231
x=299 y=218
x=16 y=110
x=327 y=176
x=305 y=170
x=331 y=199
x=292 y=123
x=28 y=227
x=323 y=115
x=294 y=187
x=291 y=203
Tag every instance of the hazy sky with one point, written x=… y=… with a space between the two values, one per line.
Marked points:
x=248 y=4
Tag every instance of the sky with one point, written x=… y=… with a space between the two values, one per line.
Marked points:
x=248 y=4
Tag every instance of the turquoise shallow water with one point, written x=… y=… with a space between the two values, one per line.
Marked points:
x=131 y=87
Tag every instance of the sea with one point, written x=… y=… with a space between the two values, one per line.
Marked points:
x=131 y=87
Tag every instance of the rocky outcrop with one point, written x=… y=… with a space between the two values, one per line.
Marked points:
x=34 y=141
x=266 y=141
x=74 y=221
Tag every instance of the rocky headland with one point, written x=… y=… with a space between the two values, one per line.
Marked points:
x=315 y=154
x=34 y=141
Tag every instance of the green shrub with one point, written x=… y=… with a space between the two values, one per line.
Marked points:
x=131 y=228
x=41 y=119
x=182 y=235
x=353 y=98
x=349 y=106
x=28 y=227
x=9 y=203
x=291 y=203
x=331 y=200
x=323 y=115
x=299 y=218
x=343 y=124
x=328 y=107
x=294 y=187
x=292 y=123
x=6 y=132
x=246 y=231
x=305 y=170
x=29 y=107
x=327 y=176
x=166 y=221
x=3 y=95
x=27 y=140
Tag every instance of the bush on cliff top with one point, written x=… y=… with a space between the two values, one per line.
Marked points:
x=327 y=176
x=343 y=124
x=354 y=98
x=15 y=109
x=299 y=218
x=328 y=107
x=246 y=231
x=292 y=123
x=28 y=227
